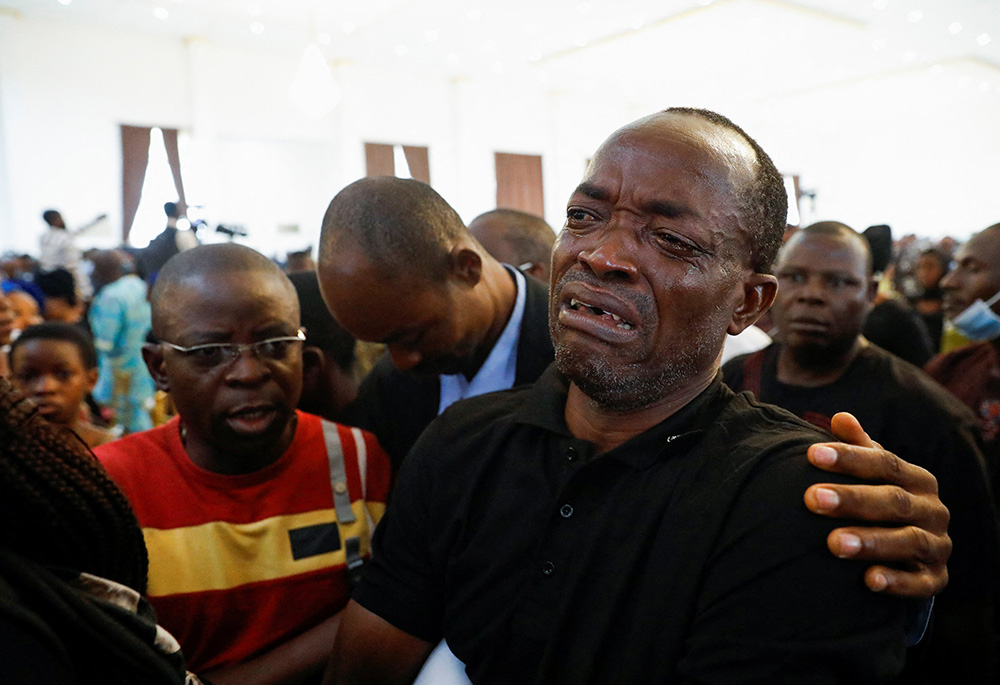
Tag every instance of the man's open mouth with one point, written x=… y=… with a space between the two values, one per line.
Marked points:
x=576 y=305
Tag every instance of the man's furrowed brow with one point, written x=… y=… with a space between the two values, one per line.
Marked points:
x=670 y=210
x=594 y=192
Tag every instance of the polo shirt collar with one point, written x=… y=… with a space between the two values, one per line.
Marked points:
x=546 y=405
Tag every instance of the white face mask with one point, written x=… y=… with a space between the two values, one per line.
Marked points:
x=978 y=321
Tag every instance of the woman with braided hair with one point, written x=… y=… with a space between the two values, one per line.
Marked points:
x=72 y=565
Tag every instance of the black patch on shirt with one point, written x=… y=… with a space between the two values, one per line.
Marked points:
x=310 y=541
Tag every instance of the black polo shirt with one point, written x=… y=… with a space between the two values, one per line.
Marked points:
x=685 y=553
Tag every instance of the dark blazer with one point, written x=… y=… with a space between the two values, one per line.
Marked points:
x=396 y=405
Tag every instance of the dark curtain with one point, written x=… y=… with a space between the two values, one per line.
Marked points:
x=519 y=183
x=135 y=158
x=174 y=158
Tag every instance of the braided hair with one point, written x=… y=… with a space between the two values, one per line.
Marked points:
x=58 y=506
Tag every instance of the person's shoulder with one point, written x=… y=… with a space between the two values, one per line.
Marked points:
x=137 y=446
x=909 y=388
x=947 y=361
x=744 y=413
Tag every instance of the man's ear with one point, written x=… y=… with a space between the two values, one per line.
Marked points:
x=153 y=356
x=465 y=264
x=537 y=271
x=872 y=293
x=91 y=376
x=313 y=360
x=758 y=294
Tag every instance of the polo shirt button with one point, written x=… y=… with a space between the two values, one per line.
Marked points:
x=571 y=453
x=548 y=568
x=566 y=511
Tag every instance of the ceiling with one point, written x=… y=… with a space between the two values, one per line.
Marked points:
x=759 y=49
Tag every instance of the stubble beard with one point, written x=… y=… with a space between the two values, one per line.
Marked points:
x=623 y=387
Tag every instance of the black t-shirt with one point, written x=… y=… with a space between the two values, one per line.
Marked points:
x=684 y=554
x=909 y=414
x=897 y=327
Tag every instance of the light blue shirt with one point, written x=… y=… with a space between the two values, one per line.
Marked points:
x=500 y=367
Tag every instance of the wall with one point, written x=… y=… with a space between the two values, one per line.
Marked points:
x=922 y=159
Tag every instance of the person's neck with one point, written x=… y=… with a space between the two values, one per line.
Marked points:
x=795 y=369
x=239 y=461
x=607 y=428
x=500 y=294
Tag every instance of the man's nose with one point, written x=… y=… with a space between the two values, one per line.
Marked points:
x=404 y=359
x=247 y=368
x=41 y=385
x=949 y=281
x=813 y=289
x=613 y=255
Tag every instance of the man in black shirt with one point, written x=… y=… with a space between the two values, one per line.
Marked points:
x=822 y=364
x=627 y=518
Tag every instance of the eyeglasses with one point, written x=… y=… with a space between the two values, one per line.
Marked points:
x=212 y=355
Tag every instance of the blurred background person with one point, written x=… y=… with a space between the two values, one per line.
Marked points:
x=120 y=319
x=55 y=366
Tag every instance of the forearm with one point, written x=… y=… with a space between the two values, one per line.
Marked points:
x=297 y=661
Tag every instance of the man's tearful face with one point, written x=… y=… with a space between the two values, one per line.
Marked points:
x=646 y=272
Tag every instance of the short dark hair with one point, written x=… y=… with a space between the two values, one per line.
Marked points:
x=322 y=330
x=64 y=332
x=836 y=229
x=528 y=236
x=763 y=202
x=50 y=215
x=204 y=260
x=170 y=209
x=402 y=225
x=57 y=283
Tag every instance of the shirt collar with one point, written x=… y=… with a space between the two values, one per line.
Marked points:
x=500 y=367
x=545 y=407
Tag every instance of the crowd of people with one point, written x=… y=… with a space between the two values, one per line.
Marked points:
x=548 y=476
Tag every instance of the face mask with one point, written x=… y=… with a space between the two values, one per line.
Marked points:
x=978 y=321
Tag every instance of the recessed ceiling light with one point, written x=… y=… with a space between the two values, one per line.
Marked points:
x=161 y=13
x=257 y=28
x=983 y=39
x=954 y=28
x=915 y=16
x=324 y=38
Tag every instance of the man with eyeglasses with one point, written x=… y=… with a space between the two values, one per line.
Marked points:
x=256 y=516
